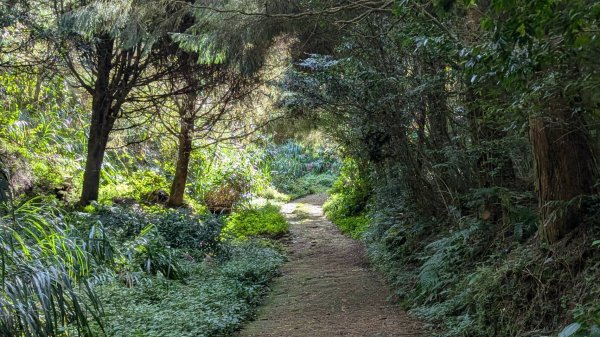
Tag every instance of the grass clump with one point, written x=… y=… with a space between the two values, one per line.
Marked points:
x=354 y=226
x=264 y=221
x=46 y=265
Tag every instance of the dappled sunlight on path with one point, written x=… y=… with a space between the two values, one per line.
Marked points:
x=327 y=288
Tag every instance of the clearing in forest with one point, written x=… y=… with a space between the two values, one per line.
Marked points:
x=327 y=288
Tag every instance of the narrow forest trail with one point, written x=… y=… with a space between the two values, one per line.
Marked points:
x=327 y=288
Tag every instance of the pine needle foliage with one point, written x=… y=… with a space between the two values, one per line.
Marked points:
x=128 y=21
x=224 y=35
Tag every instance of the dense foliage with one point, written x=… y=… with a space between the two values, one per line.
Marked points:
x=214 y=300
x=349 y=197
x=474 y=133
x=160 y=255
x=469 y=132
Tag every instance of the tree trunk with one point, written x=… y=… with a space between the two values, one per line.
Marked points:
x=492 y=159
x=565 y=168
x=183 y=157
x=101 y=124
x=438 y=110
x=91 y=177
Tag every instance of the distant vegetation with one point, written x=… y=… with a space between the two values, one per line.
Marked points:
x=299 y=170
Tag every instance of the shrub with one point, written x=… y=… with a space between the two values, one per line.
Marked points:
x=264 y=221
x=348 y=202
x=180 y=228
x=185 y=230
x=151 y=240
x=141 y=185
x=150 y=253
x=350 y=193
x=227 y=192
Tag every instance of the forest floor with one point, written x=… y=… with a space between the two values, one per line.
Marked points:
x=327 y=287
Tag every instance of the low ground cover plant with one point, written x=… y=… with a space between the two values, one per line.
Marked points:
x=214 y=299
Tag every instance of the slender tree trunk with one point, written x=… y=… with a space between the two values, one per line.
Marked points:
x=184 y=153
x=438 y=122
x=91 y=177
x=101 y=123
x=492 y=158
x=438 y=110
x=565 y=168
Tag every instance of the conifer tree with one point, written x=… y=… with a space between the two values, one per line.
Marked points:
x=111 y=48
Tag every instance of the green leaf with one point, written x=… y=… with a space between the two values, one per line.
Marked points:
x=570 y=330
x=582 y=40
x=521 y=29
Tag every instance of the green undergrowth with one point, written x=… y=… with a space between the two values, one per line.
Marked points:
x=47 y=262
x=298 y=170
x=263 y=221
x=347 y=205
x=354 y=226
x=468 y=273
x=171 y=272
x=180 y=274
x=478 y=278
x=214 y=300
x=309 y=184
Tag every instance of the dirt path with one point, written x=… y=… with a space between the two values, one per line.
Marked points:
x=327 y=288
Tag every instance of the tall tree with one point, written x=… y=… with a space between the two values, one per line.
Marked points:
x=110 y=49
x=225 y=49
x=547 y=55
x=204 y=111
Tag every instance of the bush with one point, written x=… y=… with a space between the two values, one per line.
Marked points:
x=180 y=228
x=223 y=177
x=150 y=253
x=141 y=185
x=350 y=193
x=152 y=240
x=264 y=221
x=185 y=230
x=348 y=202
